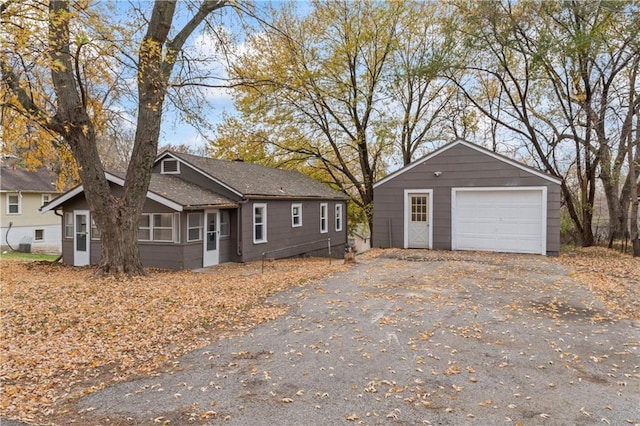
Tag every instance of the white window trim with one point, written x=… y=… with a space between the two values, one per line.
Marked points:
x=221 y=214
x=299 y=206
x=338 y=217
x=16 y=194
x=95 y=234
x=172 y=228
x=324 y=219
x=263 y=206
x=68 y=226
x=190 y=227
x=165 y=172
x=152 y=228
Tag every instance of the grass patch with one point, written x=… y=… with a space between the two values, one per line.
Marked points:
x=16 y=255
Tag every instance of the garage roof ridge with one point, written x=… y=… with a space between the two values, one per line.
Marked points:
x=478 y=148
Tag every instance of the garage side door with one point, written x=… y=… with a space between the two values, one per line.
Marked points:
x=503 y=220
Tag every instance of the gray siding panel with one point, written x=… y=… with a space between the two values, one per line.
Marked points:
x=283 y=240
x=460 y=166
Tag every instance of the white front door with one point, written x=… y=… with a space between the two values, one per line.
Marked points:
x=211 y=238
x=418 y=232
x=81 y=240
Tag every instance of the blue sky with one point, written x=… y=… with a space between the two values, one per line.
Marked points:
x=174 y=131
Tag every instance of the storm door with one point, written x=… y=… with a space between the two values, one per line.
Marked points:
x=212 y=238
x=81 y=241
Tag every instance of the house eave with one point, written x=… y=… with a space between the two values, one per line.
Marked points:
x=57 y=202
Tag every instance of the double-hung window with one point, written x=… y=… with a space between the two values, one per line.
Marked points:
x=156 y=227
x=296 y=215
x=68 y=225
x=338 y=217
x=13 y=204
x=95 y=234
x=225 y=223
x=324 y=227
x=259 y=223
x=194 y=223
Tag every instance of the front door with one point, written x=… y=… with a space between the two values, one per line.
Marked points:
x=81 y=241
x=211 y=240
x=418 y=221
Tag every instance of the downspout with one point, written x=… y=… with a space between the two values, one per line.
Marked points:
x=6 y=236
x=239 y=228
x=59 y=258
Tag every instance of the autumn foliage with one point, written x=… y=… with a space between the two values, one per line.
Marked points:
x=66 y=333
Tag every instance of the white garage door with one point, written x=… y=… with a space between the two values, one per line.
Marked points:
x=497 y=219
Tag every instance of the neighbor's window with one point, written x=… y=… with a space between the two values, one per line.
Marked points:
x=296 y=215
x=323 y=218
x=45 y=199
x=224 y=223
x=338 y=217
x=95 y=234
x=13 y=204
x=194 y=223
x=39 y=235
x=68 y=225
x=259 y=223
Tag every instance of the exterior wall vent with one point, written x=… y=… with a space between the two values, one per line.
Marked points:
x=170 y=166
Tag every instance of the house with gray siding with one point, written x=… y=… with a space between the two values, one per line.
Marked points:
x=202 y=211
x=465 y=197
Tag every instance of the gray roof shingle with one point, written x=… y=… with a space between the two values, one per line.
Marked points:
x=185 y=193
x=40 y=180
x=255 y=180
x=182 y=192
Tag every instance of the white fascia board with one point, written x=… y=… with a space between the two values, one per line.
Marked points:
x=472 y=146
x=118 y=181
x=56 y=202
x=150 y=195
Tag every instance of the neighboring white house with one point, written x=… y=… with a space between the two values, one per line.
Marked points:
x=22 y=225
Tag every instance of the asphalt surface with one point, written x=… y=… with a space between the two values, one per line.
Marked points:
x=411 y=338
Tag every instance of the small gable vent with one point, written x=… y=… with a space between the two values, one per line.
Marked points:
x=170 y=166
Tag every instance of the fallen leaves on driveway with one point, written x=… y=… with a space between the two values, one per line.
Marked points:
x=66 y=332
x=613 y=276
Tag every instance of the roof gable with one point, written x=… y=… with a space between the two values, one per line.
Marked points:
x=475 y=147
x=40 y=180
x=249 y=180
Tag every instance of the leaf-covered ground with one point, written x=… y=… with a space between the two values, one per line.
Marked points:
x=613 y=276
x=66 y=333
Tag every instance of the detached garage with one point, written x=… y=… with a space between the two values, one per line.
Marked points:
x=465 y=197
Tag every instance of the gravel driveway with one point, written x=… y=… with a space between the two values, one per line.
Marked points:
x=409 y=337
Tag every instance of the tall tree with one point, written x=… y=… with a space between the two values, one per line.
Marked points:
x=72 y=112
x=343 y=92
x=315 y=92
x=418 y=96
x=547 y=72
